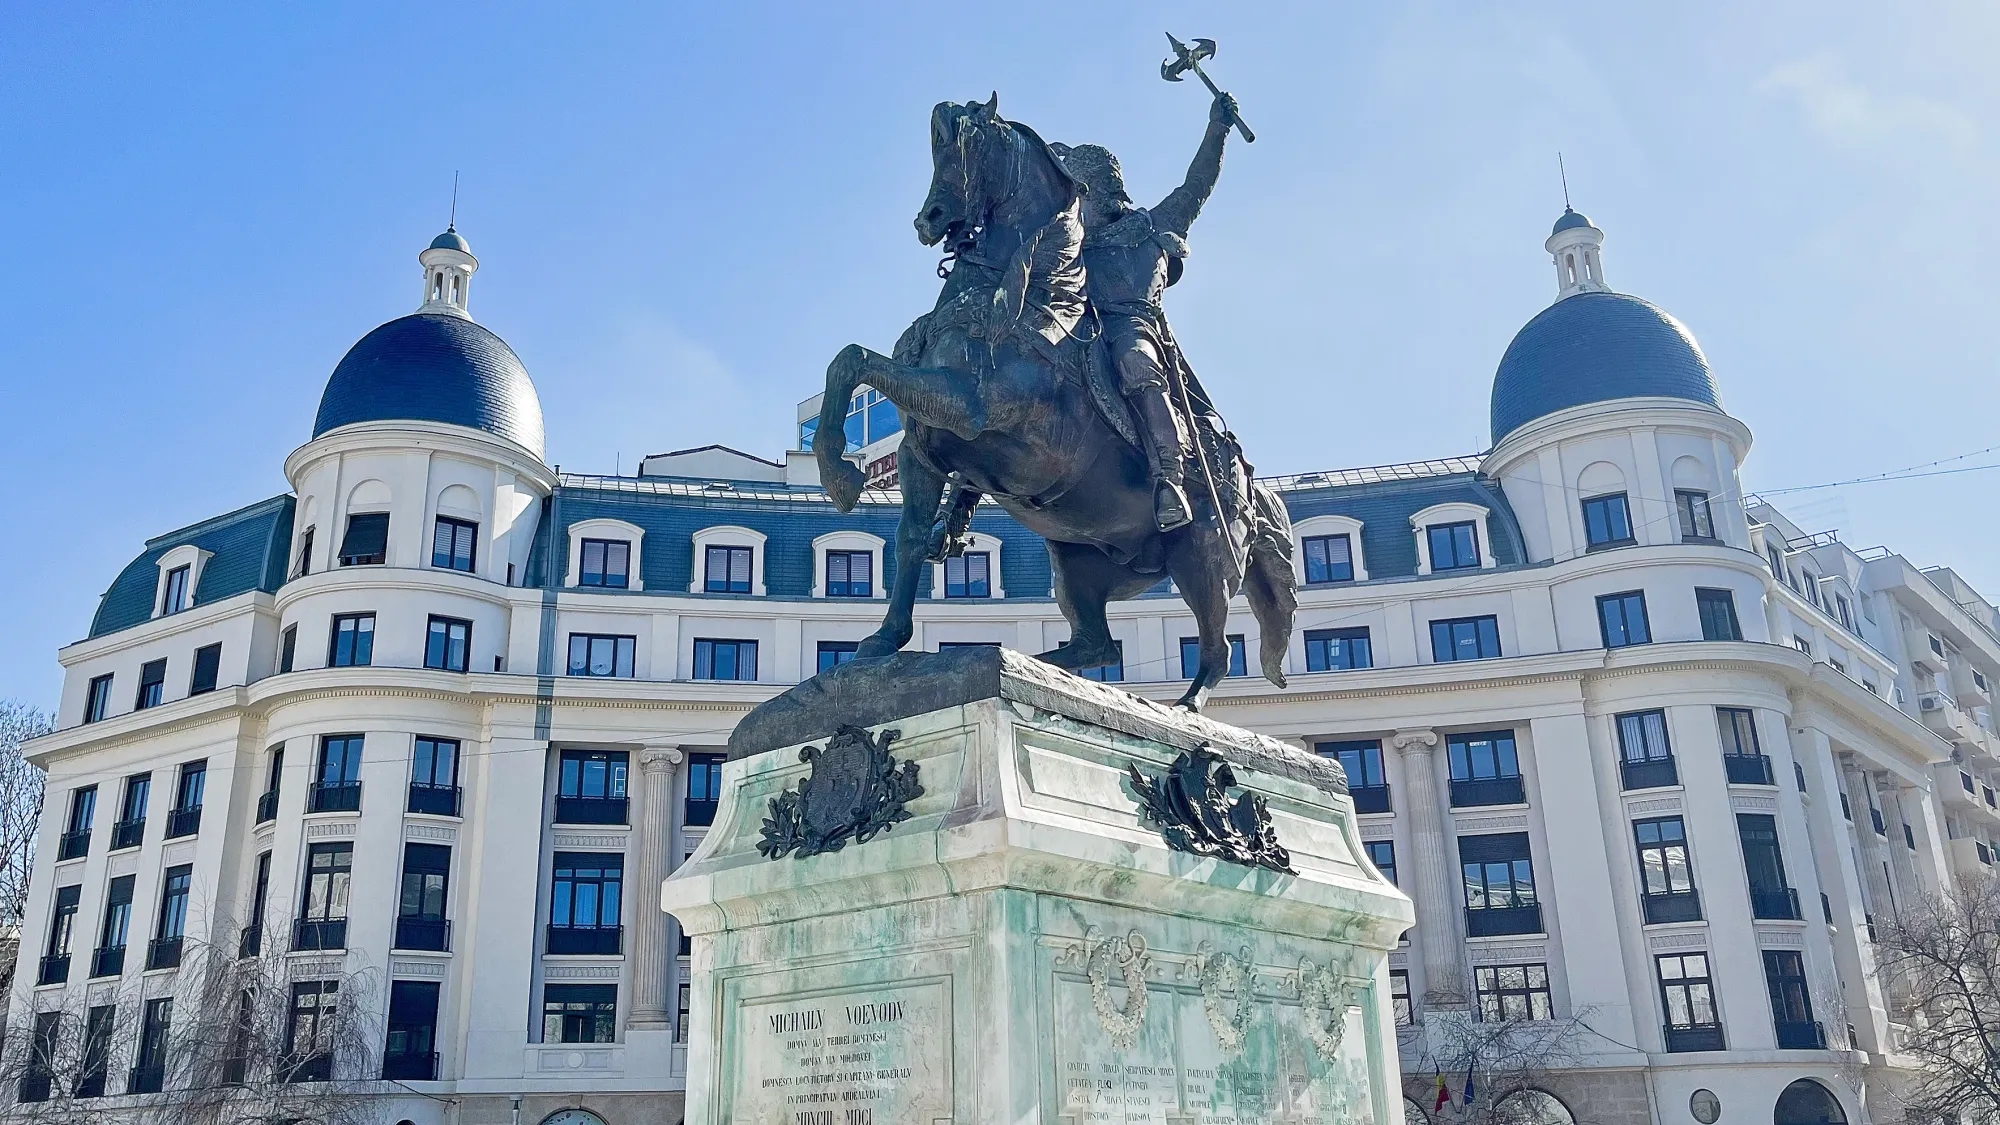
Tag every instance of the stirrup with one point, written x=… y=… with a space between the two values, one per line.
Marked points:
x=1170 y=506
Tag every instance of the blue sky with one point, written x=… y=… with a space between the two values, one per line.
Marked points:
x=682 y=214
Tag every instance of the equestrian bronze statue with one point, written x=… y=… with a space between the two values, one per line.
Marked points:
x=1045 y=378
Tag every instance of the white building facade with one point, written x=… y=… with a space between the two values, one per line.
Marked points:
x=1643 y=752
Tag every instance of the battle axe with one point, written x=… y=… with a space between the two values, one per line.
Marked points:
x=1188 y=58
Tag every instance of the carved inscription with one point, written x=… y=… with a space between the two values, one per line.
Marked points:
x=873 y=1056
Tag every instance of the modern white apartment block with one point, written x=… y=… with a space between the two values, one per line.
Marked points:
x=1640 y=749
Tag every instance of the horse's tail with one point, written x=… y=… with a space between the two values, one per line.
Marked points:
x=1269 y=582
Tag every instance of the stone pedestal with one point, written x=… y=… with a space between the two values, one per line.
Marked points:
x=1025 y=947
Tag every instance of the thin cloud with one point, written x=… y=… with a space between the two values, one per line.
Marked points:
x=1843 y=110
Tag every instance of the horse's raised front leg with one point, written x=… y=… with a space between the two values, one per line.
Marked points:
x=945 y=400
x=923 y=488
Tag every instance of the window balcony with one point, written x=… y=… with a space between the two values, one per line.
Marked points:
x=433 y=934
x=1370 y=798
x=267 y=806
x=183 y=822
x=590 y=810
x=55 y=970
x=149 y=1078
x=699 y=812
x=251 y=943
x=74 y=845
x=1808 y=1035
x=1495 y=921
x=326 y=934
x=1488 y=791
x=37 y=1087
x=1697 y=1037
x=410 y=1067
x=108 y=961
x=163 y=953
x=437 y=800
x=337 y=798
x=1674 y=906
x=1651 y=773
x=1748 y=769
x=1781 y=905
x=603 y=941
x=128 y=833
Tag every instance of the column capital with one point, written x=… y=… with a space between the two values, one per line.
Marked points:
x=1415 y=741
x=660 y=759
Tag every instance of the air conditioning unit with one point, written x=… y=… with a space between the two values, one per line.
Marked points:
x=1932 y=703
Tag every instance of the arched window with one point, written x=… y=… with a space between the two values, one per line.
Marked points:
x=1529 y=1106
x=1806 y=1102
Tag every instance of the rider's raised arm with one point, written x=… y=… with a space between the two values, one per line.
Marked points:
x=1178 y=210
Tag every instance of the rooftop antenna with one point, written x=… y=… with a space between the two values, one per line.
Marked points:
x=452 y=224
x=1560 y=171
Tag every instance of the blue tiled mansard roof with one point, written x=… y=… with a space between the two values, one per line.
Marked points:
x=248 y=549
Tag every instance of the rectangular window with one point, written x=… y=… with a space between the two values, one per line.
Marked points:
x=1329 y=558
x=410 y=1051
x=1697 y=522
x=835 y=653
x=152 y=684
x=1513 y=992
x=1687 y=996
x=584 y=903
x=150 y=1073
x=420 y=920
x=579 y=1013
x=353 y=643
x=303 y=566
x=288 y=648
x=1191 y=656
x=725 y=660
x=1718 y=615
x=726 y=570
x=1791 y=1001
x=1777 y=558
x=329 y=868
x=251 y=943
x=1382 y=853
x=171 y=925
x=1499 y=877
x=595 y=654
x=454 y=544
x=1454 y=546
x=76 y=830
x=367 y=540
x=969 y=575
x=1465 y=638
x=1802 y=644
x=1485 y=769
x=1666 y=879
x=704 y=788
x=185 y=817
x=1742 y=757
x=606 y=563
x=309 y=1032
x=337 y=782
x=591 y=788
x=95 y=1055
x=1399 y=996
x=1771 y=896
x=1338 y=650
x=110 y=958
x=448 y=644
x=1622 y=618
x=1112 y=673
x=1646 y=758
x=62 y=935
x=97 y=699
x=1607 y=521
x=174 y=592
x=207 y=669
x=850 y=574
x=131 y=826
x=1362 y=761
x=1846 y=614
x=434 y=776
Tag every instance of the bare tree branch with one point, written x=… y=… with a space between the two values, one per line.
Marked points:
x=1946 y=951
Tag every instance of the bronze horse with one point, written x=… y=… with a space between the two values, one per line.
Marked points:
x=1015 y=420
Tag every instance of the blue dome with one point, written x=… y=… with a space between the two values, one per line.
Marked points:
x=1570 y=220
x=1595 y=347
x=434 y=367
x=451 y=240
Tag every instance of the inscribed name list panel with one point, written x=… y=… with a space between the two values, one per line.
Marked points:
x=1311 y=1089
x=877 y=1055
x=1096 y=1083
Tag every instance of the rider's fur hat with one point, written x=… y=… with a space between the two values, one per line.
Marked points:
x=1094 y=167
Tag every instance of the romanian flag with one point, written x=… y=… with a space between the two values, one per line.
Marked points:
x=1444 y=1094
x=1466 y=1098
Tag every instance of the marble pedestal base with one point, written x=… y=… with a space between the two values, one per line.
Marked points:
x=1025 y=948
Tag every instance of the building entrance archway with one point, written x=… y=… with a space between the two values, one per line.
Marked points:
x=1807 y=1102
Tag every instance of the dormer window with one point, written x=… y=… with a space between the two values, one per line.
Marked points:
x=1329 y=558
x=174 y=594
x=606 y=563
x=726 y=570
x=850 y=574
x=729 y=559
x=367 y=540
x=1607 y=521
x=454 y=544
x=1454 y=546
x=968 y=575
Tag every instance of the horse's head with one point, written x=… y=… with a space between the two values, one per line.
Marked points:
x=967 y=159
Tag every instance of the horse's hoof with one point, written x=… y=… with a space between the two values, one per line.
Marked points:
x=878 y=645
x=844 y=485
x=1192 y=701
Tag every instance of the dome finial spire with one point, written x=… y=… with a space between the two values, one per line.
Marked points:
x=451 y=225
x=448 y=267
x=1577 y=247
x=1560 y=171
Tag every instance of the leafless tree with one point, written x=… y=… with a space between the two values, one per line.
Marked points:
x=1512 y=1063
x=20 y=815
x=1946 y=951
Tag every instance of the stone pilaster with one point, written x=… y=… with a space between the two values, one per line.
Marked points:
x=1435 y=878
x=652 y=960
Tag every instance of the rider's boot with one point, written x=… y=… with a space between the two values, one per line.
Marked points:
x=1166 y=457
